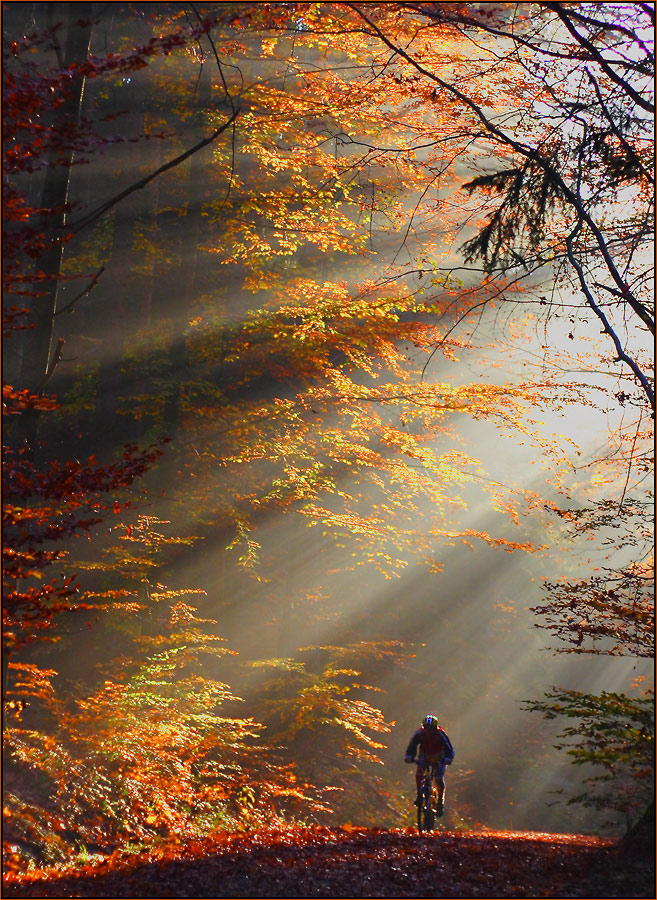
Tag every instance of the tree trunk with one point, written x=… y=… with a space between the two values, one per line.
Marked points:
x=37 y=353
x=640 y=839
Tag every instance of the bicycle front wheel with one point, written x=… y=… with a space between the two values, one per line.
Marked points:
x=425 y=815
x=428 y=816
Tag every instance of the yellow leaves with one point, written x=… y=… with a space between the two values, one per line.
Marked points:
x=268 y=45
x=380 y=432
x=169 y=594
x=352 y=445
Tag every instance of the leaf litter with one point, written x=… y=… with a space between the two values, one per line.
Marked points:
x=355 y=862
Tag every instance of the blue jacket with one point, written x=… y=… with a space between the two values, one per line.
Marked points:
x=431 y=742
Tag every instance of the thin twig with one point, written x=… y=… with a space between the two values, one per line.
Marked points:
x=88 y=289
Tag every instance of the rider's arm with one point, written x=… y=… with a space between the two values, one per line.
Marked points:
x=449 y=755
x=412 y=746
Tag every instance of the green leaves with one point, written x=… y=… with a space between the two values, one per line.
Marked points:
x=613 y=732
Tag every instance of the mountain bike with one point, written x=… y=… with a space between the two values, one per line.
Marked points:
x=427 y=799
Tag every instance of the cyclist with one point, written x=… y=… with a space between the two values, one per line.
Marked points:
x=434 y=747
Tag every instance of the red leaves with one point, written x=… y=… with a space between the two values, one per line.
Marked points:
x=16 y=401
x=347 y=862
x=78 y=485
x=47 y=504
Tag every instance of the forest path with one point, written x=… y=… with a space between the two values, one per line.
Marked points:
x=363 y=862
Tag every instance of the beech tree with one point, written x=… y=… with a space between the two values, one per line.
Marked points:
x=611 y=612
x=571 y=126
x=615 y=735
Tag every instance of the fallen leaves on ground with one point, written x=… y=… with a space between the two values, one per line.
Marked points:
x=357 y=862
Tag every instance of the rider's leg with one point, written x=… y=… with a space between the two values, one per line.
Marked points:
x=441 y=790
x=440 y=782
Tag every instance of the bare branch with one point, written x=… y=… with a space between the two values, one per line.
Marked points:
x=599 y=58
x=87 y=290
x=100 y=211
x=52 y=365
x=590 y=299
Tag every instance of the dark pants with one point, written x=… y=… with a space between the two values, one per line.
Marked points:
x=439 y=776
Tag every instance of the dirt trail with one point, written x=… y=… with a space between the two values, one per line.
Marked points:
x=361 y=862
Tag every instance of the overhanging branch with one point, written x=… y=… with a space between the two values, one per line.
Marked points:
x=100 y=211
x=590 y=299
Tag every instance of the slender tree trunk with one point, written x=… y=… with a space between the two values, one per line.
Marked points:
x=54 y=197
x=37 y=351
